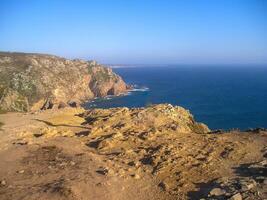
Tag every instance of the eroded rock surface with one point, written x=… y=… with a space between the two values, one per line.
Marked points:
x=157 y=152
x=38 y=81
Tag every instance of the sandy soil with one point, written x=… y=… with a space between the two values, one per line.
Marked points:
x=122 y=154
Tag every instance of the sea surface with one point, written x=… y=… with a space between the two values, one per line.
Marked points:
x=223 y=97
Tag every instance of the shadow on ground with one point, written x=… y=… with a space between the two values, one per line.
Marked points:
x=203 y=190
x=250 y=171
x=57 y=125
x=253 y=170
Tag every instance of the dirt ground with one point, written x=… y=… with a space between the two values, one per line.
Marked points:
x=126 y=154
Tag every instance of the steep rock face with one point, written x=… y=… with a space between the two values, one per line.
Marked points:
x=38 y=81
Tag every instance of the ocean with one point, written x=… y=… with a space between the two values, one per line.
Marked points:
x=223 y=97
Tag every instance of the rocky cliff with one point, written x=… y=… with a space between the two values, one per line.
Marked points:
x=39 y=81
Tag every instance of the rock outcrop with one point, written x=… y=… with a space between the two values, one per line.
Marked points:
x=250 y=184
x=155 y=118
x=157 y=152
x=38 y=81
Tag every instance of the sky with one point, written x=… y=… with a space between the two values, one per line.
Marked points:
x=138 y=31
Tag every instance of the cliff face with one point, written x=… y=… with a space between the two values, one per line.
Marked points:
x=38 y=81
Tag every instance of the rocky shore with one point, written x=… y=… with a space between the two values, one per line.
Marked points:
x=157 y=152
x=30 y=82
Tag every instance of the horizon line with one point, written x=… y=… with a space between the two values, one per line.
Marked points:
x=113 y=65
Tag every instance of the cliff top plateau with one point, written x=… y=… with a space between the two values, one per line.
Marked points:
x=156 y=152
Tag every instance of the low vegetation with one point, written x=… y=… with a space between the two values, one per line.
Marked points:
x=39 y=81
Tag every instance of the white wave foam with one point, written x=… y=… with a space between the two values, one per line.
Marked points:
x=144 y=89
x=110 y=97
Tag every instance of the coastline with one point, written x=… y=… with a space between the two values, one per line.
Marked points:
x=134 y=89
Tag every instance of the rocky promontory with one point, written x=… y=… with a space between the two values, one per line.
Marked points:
x=157 y=152
x=38 y=81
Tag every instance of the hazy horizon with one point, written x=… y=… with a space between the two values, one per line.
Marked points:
x=139 y=32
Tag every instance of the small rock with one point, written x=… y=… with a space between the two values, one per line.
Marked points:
x=62 y=164
x=163 y=186
x=62 y=105
x=249 y=186
x=73 y=104
x=136 y=176
x=72 y=163
x=21 y=171
x=22 y=142
x=260 y=179
x=237 y=196
x=201 y=157
x=217 y=192
x=111 y=172
x=3 y=182
x=102 y=171
x=131 y=163
x=99 y=184
x=38 y=134
x=218 y=131
x=121 y=171
x=263 y=163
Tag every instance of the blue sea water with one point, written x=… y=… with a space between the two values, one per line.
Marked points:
x=221 y=97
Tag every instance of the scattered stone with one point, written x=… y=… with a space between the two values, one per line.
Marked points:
x=21 y=142
x=218 y=131
x=217 y=192
x=201 y=157
x=82 y=133
x=131 y=163
x=256 y=130
x=163 y=186
x=260 y=179
x=73 y=104
x=102 y=171
x=237 y=196
x=62 y=105
x=21 y=171
x=136 y=176
x=72 y=163
x=249 y=185
x=99 y=184
x=62 y=164
x=3 y=182
x=38 y=135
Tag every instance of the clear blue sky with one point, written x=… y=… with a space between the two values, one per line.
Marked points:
x=138 y=31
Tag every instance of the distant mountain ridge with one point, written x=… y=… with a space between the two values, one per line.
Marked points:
x=30 y=81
